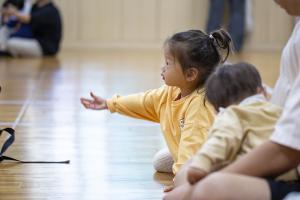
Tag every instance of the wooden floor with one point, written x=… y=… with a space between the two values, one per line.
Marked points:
x=111 y=155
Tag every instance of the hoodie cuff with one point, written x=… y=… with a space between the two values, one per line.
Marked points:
x=202 y=162
x=112 y=103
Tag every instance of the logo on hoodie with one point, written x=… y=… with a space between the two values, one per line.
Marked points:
x=181 y=123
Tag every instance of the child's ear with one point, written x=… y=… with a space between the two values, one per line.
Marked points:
x=191 y=74
x=263 y=91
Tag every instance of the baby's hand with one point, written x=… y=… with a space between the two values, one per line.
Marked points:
x=96 y=103
x=169 y=188
x=194 y=175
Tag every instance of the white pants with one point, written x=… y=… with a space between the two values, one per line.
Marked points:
x=24 y=47
x=20 y=47
x=163 y=161
x=4 y=35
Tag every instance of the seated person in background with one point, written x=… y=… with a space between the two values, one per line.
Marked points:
x=5 y=17
x=14 y=27
x=10 y=26
x=45 y=21
x=245 y=120
x=22 y=30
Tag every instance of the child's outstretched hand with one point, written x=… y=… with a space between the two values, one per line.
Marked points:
x=194 y=175
x=96 y=103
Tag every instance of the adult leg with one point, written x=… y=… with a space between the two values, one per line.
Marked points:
x=24 y=47
x=231 y=187
x=216 y=11
x=236 y=26
x=223 y=186
x=163 y=161
x=182 y=192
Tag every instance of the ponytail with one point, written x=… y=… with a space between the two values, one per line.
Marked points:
x=221 y=39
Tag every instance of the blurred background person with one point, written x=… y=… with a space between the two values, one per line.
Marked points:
x=10 y=25
x=44 y=35
x=236 y=21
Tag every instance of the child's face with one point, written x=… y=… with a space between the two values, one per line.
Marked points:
x=172 y=72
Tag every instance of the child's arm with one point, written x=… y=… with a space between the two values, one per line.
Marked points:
x=224 y=142
x=142 y=105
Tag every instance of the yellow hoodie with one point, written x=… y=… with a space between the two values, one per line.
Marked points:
x=184 y=122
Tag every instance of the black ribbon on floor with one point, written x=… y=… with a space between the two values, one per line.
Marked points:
x=10 y=141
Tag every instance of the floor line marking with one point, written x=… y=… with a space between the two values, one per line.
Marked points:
x=28 y=100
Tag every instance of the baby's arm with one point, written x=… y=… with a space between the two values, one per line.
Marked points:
x=142 y=105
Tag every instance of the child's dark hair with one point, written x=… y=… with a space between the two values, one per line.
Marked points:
x=196 y=49
x=19 y=4
x=230 y=84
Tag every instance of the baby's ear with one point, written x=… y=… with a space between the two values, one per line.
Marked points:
x=191 y=74
x=263 y=90
x=260 y=90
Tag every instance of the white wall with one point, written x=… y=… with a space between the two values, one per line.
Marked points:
x=146 y=23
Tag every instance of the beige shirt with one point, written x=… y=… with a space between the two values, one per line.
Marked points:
x=236 y=131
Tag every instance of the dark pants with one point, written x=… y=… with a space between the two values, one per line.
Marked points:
x=236 y=24
x=280 y=189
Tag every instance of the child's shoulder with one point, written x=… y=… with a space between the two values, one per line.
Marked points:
x=171 y=90
x=198 y=94
x=198 y=101
x=261 y=106
x=195 y=98
x=256 y=108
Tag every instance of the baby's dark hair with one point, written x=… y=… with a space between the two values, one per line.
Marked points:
x=196 y=49
x=230 y=84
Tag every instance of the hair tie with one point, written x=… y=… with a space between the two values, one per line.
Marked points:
x=211 y=36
